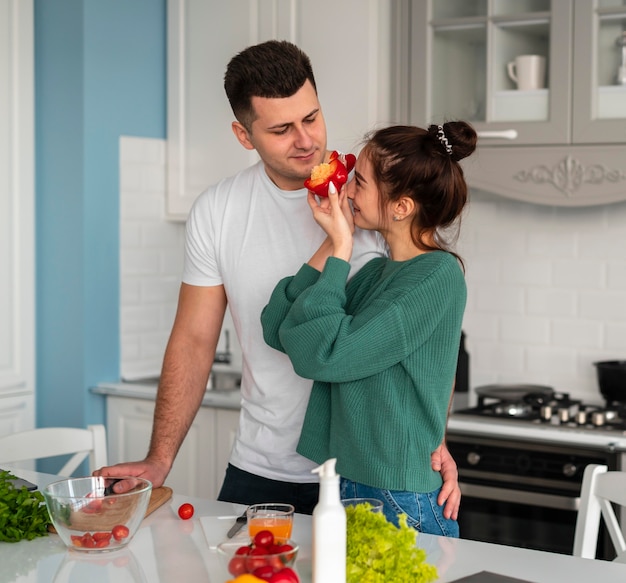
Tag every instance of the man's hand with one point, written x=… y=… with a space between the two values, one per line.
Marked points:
x=450 y=495
x=149 y=470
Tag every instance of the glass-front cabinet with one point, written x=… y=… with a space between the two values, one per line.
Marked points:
x=544 y=73
x=599 y=109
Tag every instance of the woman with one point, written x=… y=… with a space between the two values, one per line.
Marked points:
x=382 y=348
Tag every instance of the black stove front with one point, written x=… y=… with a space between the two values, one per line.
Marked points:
x=523 y=494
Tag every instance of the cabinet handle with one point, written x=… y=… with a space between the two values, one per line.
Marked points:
x=503 y=134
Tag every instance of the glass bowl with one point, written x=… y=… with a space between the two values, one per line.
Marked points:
x=238 y=558
x=89 y=517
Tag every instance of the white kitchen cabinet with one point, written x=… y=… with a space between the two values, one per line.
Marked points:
x=17 y=263
x=352 y=50
x=199 y=466
x=565 y=141
x=227 y=422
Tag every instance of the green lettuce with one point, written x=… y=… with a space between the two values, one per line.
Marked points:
x=380 y=552
x=23 y=514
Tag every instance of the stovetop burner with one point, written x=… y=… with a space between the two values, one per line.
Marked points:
x=541 y=405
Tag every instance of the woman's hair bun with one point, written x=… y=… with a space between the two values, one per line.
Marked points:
x=460 y=135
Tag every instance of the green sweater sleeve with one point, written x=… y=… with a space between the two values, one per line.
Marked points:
x=403 y=307
x=281 y=300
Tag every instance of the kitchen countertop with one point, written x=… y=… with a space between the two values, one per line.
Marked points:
x=169 y=550
x=221 y=399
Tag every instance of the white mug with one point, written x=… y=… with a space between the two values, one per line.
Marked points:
x=528 y=71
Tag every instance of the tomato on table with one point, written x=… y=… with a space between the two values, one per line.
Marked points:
x=185 y=511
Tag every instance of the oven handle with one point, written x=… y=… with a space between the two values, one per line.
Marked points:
x=520 y=496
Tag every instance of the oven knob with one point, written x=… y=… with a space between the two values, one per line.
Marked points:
x=598 y=418
x=563 y=414
x=581 y=417
x=569 y=470
x=546 y=412
x=473 y=458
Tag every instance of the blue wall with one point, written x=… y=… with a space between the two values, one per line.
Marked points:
x=100 y=72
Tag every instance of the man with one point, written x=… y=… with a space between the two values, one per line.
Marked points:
x=243 y=235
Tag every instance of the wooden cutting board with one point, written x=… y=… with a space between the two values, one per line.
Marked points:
x=158 y=497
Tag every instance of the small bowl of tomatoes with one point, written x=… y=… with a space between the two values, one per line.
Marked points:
x=264 y=557
x=90 y=516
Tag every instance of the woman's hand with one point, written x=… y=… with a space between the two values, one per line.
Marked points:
x=334 y=215
x=442 y=461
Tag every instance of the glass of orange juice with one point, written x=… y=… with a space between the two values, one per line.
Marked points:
x=275 y=517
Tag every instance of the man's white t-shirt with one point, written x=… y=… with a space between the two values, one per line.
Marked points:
x=247 y=234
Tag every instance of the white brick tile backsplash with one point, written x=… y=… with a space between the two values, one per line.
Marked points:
x=546 y=292
x=527 y=272
x=551 y=303
x=528 y=330
x=606 y=307
x=577 y=333
x=615 y=339
x=616 y=275
x=151 y=260
x=552 y=244
x=546 y=285
x=499 y=299
x=583 y=274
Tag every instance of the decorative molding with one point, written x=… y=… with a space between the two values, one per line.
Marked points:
x=569 y=175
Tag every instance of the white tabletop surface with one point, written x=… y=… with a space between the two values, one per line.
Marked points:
x=169 y=550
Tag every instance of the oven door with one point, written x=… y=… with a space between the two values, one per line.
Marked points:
x=516 y=518
x=522 y=494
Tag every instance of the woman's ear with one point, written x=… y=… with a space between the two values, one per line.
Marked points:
x=242 y=135
x=403 y=208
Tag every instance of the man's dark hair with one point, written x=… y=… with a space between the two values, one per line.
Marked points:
x=273 y=69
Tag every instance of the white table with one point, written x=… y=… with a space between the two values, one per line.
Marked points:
x=169 y=550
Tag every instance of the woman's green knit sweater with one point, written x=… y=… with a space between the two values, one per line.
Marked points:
x=382 y=350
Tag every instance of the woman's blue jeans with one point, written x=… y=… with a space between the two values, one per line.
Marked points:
x=423 y=512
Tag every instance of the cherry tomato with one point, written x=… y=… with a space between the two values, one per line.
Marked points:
x=264 y=572
x=256 y=559
x=120 y=532
x=286 y=551
x=185 y=511
x=286 y=575
x=263 y=538
x=237 y=566
x=87 y=541
x=98 y=536
x=245 y=550
x=93 y=507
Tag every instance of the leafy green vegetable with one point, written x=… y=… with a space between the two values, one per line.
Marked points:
x=380 y=552
x=23 y=514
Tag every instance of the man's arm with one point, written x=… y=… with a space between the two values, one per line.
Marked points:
x=186 y=366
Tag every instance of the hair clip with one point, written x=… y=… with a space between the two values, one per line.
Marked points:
x=442 y=138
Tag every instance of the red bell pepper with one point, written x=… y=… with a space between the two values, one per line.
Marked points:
x=335 y=171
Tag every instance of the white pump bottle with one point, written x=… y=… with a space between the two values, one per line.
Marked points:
x=329 y=528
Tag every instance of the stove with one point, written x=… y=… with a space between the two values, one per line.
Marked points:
x=521 y=453
x=538 y=413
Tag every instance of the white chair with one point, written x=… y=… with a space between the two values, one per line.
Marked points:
x=600 y=490
x=48 y=442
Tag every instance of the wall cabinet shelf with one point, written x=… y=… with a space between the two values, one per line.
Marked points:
x=565 y=150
